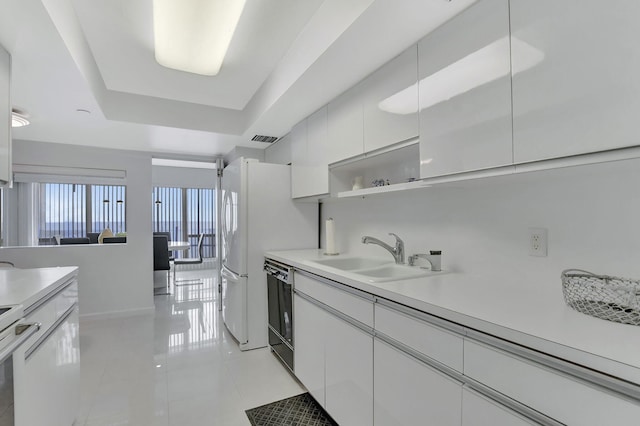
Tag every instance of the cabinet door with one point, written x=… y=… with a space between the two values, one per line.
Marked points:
x=465 y=92
x=478 y=410
x=299 y=182
x=50 y=379
x=317 y=142
x=345 y=123
x=576 y=84
x=391 y=102
x=541 y=388
x=349 y=373
x=308 y=339
x=68 y=368
x=408 y=392
x=309 y=167
x=5 y=116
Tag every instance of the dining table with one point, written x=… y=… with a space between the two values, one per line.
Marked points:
x=179 y=245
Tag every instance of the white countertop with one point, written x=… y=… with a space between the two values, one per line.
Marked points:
x=525 y=312
x=28 y=286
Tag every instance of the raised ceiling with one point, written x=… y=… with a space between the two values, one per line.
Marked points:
x=286 y=59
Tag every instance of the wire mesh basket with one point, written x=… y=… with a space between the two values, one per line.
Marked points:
x=602 y=296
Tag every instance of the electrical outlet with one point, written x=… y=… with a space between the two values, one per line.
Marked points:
x=538 y=242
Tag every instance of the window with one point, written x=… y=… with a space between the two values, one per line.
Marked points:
x=186 y=213
x=74 y=210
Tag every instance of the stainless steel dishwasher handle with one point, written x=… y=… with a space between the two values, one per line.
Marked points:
x=24 y=331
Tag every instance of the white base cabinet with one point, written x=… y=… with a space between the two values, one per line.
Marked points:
x=308 y=336
x=550 y=392
x=47 y=369
x=409 y=392
x=349 y=373
x=51 y=378
x=333 y=355
x=371 y=361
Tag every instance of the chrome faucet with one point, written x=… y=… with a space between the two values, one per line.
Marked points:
x=434 y=258
x=397 y=252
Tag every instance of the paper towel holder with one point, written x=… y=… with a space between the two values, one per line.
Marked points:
x=330 y=249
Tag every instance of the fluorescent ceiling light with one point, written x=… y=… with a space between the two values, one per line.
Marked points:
x=474 y=70
x=182 y=163
x=19 y=119
x=194 y=35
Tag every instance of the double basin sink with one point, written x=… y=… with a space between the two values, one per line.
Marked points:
x=375 y=270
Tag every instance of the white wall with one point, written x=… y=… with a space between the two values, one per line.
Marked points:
x=113 y=279
x=592 y=214
x=183 y=177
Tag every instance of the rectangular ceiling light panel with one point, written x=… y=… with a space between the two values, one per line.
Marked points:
x=194 y=35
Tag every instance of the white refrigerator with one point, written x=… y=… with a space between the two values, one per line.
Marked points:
x=256 y=215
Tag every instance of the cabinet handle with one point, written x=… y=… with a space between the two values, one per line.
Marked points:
x=339 y=286
x=49 y=332
x=420 y=357
x=24 y=331
x=50 y=296
x=513 y=405
x=336 y=313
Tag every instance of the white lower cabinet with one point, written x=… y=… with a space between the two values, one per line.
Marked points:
x=349 y=373
x=48 y=385
x=478 y=410
x=47 y=369
x=424 y=370
x=308 y=337
x=551 y=392
x=333 y=355
x=409 y=392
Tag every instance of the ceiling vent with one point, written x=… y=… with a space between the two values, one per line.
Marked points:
x=262 y=138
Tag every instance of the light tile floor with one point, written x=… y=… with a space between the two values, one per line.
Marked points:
x=178 y=367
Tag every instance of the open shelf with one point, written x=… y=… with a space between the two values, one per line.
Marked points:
x=382 y=189
x=400 y=167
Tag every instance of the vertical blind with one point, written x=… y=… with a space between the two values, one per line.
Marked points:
x=186 y=213
x=73 y=210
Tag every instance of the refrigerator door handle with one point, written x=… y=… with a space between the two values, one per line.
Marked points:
x=230 y=275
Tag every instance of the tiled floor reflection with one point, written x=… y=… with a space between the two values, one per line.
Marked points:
x=179 y=367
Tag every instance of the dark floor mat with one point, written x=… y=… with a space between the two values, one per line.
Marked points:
x=300 y=410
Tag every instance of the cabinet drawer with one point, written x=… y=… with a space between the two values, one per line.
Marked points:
x=66 y=299
x=349 y=304
x=430 y=340
x=46 y=316
x=548 y=391
x=48 y=312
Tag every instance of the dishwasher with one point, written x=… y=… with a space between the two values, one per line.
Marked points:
x=280 y=303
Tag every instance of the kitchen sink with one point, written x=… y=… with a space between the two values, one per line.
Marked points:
x=394 y=272
x=352 y=263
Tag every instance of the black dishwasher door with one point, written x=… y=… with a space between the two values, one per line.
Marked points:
x=280 y=318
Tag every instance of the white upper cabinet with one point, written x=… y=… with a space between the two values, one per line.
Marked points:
x=5 y=116
x=309 y=166
x=465 y=92
x=345 y=124
x=576 y=77
x=390 y=97
x=298 y=137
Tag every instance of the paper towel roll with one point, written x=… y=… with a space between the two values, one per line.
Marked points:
x=330 y=237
